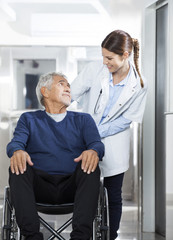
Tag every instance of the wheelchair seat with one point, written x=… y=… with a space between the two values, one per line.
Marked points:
x=57 y=209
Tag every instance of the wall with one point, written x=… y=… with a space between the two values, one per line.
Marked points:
x=170 y=53
x=148 y=63
x=169 y=176
x=5 y=104
x=169 y=132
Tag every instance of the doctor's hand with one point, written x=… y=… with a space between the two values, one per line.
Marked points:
x=89 y=160
x=18 y=162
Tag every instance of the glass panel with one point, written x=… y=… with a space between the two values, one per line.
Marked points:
x=27 y=73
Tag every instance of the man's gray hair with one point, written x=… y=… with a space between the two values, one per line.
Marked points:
x=46 y=81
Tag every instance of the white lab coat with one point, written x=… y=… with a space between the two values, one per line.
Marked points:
x=93 y=85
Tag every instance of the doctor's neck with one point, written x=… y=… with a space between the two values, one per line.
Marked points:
x=121 y=73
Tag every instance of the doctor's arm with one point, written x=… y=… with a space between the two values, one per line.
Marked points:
x=83 y=81
x=114 y=127
x=134 y=113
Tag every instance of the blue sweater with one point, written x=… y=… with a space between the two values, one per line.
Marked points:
x=53 y=145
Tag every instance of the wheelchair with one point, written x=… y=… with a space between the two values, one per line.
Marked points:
x=10 y=230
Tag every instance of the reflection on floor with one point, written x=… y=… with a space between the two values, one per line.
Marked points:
x=130 y=229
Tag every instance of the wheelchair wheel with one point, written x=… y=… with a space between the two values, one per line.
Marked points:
x=10 y=230
x=101 y=221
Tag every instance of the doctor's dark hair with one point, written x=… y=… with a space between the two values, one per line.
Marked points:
x=46 y=80
x=118 y=42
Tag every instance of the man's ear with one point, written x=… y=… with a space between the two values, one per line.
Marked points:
x=44 y=92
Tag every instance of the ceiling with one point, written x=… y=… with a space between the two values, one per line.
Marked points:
x=54 y=17
x=64 y=21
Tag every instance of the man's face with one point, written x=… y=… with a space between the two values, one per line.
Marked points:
x=60 y=91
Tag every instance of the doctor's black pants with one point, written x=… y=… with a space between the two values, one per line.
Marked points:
x=114 y=188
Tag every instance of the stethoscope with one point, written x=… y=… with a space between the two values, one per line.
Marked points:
x=97 y=108
x=97 y=105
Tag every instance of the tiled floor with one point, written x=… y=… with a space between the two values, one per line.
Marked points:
x=129 y=229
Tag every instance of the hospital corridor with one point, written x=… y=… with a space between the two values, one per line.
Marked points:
x=42 y=36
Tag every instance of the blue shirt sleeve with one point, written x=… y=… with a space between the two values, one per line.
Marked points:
x=116 y=126
x=20 y=138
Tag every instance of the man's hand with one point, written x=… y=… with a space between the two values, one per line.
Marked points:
x=89 y=160
x=18 y=162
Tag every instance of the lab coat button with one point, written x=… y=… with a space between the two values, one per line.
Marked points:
x=120 y=104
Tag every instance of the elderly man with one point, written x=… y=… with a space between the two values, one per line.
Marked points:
x=54 y=159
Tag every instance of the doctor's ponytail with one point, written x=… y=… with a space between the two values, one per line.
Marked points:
x=136 y=57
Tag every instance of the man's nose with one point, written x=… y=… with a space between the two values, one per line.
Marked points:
x=68 y=89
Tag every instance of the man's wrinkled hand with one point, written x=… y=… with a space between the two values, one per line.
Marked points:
x=18 y=162
x=89 y=160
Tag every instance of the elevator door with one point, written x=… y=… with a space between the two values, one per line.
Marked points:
x=161 y=77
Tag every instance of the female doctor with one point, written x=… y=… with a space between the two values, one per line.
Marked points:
x=114 y=93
